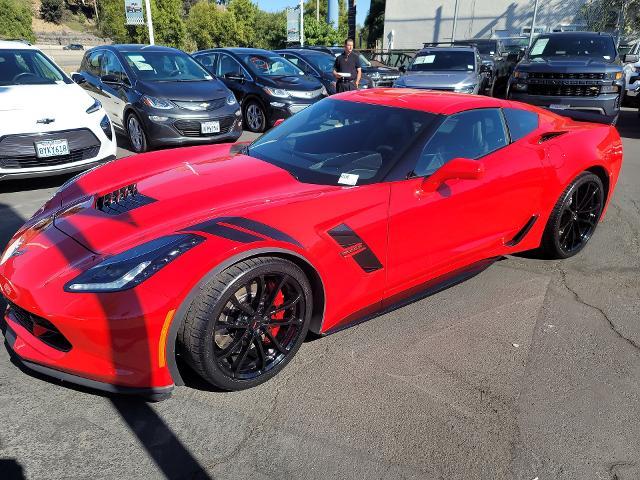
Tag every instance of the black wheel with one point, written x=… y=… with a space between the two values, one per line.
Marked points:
x=255 y=118
x=247 y=323
x=574 y=217
x=136 y=133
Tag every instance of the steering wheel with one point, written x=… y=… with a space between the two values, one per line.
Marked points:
x=174 y=73
x=23 y=74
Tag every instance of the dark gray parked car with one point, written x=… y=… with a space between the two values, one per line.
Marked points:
x=453 y=69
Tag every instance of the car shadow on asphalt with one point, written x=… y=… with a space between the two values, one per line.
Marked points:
x=11 y=470
x=629 y=124
x=161 y=444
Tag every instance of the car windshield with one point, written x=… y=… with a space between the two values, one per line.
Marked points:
x=337 y=142
x=443 y=60
x=574 y=46
x=270 y=65
x=363 y=61
x=515 y=44
x=168 y=66
x=322 y=61
x=484 y=48
x=28 y=67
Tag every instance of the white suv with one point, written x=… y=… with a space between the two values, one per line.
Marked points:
x=632 y=74
x=48 y=124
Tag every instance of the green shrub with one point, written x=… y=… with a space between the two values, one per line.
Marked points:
x=15 y=20
x=51 y=10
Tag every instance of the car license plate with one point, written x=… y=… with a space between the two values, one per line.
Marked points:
x=558 y=107
x=210 y=127
x=52 y=148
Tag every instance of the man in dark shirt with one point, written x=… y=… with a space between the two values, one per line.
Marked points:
x=348 y=64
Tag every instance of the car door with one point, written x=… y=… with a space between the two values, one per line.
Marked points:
x=90 y=70
x=233 y=75
x=463 y=220
x=114 y=84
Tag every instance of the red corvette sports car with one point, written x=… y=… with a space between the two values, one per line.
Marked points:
x=225 y=256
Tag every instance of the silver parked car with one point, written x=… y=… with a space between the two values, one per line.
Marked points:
x=453 y=69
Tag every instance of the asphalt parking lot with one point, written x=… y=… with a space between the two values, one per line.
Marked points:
x=529 y=370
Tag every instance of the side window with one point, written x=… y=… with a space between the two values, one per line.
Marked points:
x=228 y=65
x=93 y=66
x=208 y=61
x=520 y=122
x=471 y=134
x=112 y=66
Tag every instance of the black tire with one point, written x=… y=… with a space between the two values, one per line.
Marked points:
x=233 y=349
x=254 y=116
x=574 y=218
x=137 y=136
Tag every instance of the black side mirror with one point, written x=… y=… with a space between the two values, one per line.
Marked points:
x=111 y=80
x=78 y=78
x=403 y=69
x=631 y=58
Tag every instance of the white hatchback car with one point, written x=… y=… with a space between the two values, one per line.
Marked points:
x=48 y=124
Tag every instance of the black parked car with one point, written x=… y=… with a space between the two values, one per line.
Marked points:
x=317 y=64
x=498 y=58
x=268 y=86
x=577 y=74
x=378 y=75
x=159 y=96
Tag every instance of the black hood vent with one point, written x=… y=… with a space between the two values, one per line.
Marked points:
x=122 y=200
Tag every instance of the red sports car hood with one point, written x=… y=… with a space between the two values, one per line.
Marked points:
x=145 y=196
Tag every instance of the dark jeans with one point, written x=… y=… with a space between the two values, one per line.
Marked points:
x=342 y=86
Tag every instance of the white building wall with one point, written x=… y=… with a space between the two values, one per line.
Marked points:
x=414 y=22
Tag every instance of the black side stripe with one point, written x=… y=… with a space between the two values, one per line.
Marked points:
x=223 y=227
x=347 y=238
x=223 y=231
x=523 y=232
x=260 y=228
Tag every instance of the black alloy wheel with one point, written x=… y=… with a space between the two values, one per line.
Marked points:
x=575 y=217
x=256 y=324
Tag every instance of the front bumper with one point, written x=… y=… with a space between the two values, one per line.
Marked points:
x=48 y=172
x=185 y=129
x=283 y=108
x=601 y=108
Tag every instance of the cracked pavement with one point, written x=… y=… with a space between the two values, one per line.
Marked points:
x=530 y=369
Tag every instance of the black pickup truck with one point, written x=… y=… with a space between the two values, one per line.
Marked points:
x=576 y=74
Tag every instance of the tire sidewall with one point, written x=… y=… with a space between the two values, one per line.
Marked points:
x=553 y=227
x=212 y=370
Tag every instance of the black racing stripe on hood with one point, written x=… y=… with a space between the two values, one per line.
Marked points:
x=260 y=228
x=346 y=238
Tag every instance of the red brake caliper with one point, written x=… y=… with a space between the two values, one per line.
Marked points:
x=279 y=300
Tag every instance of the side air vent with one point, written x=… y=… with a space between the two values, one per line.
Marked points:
x=549 y=136
x=122 y=200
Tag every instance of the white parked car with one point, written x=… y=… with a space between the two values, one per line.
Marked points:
x=48 y=124
x=632 y=74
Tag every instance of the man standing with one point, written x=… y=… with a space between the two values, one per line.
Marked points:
x=347 y=69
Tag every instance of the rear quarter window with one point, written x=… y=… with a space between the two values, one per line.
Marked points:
x=520 y=122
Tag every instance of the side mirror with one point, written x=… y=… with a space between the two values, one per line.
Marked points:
x=458 y=168
x=631 y=58
x=484 y=68
x=110 y=80
x=403 y=69
x=278 y=122
x=78 y=78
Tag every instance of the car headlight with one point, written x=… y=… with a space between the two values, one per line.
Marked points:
x=466 y=89
x=105 y=125
x=130 y=268
x=159 y=103
x=95 y=107
x=276 y=92
x=522 y=75
x=231 y=99
x=614 y=75
x=11 y=250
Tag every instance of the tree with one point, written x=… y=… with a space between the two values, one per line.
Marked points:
x=15 y=21
x=605 y=15
x=246 y=14
x=374 y=22
x=321 y=33
x=271 y=30
x=51 y=10
x=168 y=26
x=210 y=26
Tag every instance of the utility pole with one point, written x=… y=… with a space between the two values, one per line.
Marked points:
x=95 y=7
x=301 y=23
x=149 y=22
x=318 y=11
x=533 y=22
x=455 y=22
